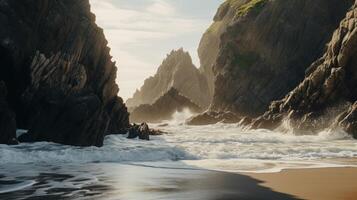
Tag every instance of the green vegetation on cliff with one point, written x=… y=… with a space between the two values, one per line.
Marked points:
x=243 y=9
x=251 y=5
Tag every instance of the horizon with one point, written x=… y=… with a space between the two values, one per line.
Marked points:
x=134 y=28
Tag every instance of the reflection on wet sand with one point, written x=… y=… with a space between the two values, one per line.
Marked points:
x=116 y=181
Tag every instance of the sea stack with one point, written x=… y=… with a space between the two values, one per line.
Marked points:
x=176 y=71
x=164 y=108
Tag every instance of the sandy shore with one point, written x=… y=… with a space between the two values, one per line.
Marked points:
x=314 y=184
x=111 y=181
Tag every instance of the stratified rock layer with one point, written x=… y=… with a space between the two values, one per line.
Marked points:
x=328 y=94
x=163 y=108
x=176 y=71
x=266 y=48
x=58 y=70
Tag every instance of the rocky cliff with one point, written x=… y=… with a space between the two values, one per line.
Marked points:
x=208 y=49
x=163 y=108
x=7 y=119
x=265 y=47
x=176 y=71
x=58 y=71
x=327 y=97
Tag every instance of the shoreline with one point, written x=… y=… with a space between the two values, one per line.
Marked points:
x=114 y=180
x=121 y=181
x=315 y=184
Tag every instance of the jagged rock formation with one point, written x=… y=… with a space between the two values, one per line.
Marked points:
x=211 y=117
x=7 y=119
x=163 y=108
x=328 y=94
x=266 y=48
x=56 y=65
x=176 y=71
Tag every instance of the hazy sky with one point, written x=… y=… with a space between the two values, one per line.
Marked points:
x=142 y=32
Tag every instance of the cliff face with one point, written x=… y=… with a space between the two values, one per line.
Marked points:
x=266 y=48
x=328 y=94
x=176 y=71
x=7 y=119
x=163 y=108
x=208 y=49
x=58 y=71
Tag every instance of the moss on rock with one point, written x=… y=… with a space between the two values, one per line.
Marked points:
x=244 y=9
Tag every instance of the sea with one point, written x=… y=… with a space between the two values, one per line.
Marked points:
x=163 y=167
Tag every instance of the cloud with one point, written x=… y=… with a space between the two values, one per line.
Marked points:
x=162 y=8
x=143 y=24
x=141 y=32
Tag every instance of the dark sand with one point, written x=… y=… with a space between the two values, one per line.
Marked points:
x=128 y=182
x=131 y=182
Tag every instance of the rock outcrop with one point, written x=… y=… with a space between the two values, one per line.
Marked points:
x=7 y=119
x=142 y=131
x=163 y=108
x=57 y=67
x=327 y=97
x=265 y=46
x=211 y=117
x=176 y=71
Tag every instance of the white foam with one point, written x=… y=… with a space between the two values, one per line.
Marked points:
x=242 y=165
x=20 y=132
x=179 y=118
x=16 y=187
x=220 y=146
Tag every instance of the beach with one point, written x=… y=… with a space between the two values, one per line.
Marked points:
x=218 y=162
x=129 y=182
x=314 y=184
x=132 y=182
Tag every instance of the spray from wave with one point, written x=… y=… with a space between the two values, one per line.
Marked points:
x=226 y=147
x=180 y=117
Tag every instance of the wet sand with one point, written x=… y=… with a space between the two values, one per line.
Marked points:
x=129 y=182
x=313 y=184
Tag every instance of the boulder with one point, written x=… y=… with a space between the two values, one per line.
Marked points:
x=142 y=131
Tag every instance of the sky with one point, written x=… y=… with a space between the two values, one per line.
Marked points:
x=142 y=32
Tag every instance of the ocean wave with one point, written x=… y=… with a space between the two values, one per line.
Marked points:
x=220 y=142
